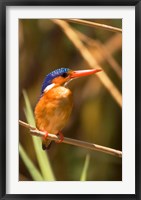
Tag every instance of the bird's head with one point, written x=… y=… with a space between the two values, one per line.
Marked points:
x=63 y=75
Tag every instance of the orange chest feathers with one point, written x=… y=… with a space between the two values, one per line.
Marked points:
x=53 y=109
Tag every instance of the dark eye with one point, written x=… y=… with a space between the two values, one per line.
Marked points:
x=64 y=75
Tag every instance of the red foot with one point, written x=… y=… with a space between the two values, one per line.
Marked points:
x=61 y=137
x=45 y=136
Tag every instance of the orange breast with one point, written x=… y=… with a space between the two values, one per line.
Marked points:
x=53 y=109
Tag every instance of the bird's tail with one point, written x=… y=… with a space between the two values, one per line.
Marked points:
x=46 y=144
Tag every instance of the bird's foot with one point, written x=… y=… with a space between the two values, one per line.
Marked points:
x=45 y=136
x=61 y=138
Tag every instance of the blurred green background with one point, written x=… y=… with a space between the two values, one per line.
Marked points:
x=96 y=116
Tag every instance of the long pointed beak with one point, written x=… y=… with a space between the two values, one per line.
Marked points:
x=79 y=73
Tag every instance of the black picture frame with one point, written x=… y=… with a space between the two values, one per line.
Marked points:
x=3 y=5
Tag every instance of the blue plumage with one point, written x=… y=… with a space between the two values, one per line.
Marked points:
x=48 y=79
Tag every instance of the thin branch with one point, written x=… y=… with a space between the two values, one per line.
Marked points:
x=88 y=57
x=95 y=24
x=74 y=142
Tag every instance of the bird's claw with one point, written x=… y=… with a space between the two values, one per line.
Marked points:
x=61 y=138
x=45 y=136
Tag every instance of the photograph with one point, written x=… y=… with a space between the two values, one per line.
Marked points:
x=70 y=99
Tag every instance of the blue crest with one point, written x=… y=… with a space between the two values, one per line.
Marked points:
x=48 y=79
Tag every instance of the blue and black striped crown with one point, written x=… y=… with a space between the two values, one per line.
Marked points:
x=48 y=79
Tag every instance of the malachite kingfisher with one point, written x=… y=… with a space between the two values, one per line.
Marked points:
x=55 y=103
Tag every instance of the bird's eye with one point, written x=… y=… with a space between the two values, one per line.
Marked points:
x=64 y=75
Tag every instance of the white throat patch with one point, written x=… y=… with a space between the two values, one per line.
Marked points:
x=49 y=87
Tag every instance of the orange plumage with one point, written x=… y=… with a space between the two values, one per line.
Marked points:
x=55 y=104
x=53 y=110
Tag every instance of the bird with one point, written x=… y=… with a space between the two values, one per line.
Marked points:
x=55 y=103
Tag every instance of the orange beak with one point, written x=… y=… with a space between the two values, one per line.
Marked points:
x=79 y=73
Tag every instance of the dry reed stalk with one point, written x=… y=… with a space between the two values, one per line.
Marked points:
x=103 y=52
x=87 y=56
x=74 y=142
x=95 y=24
